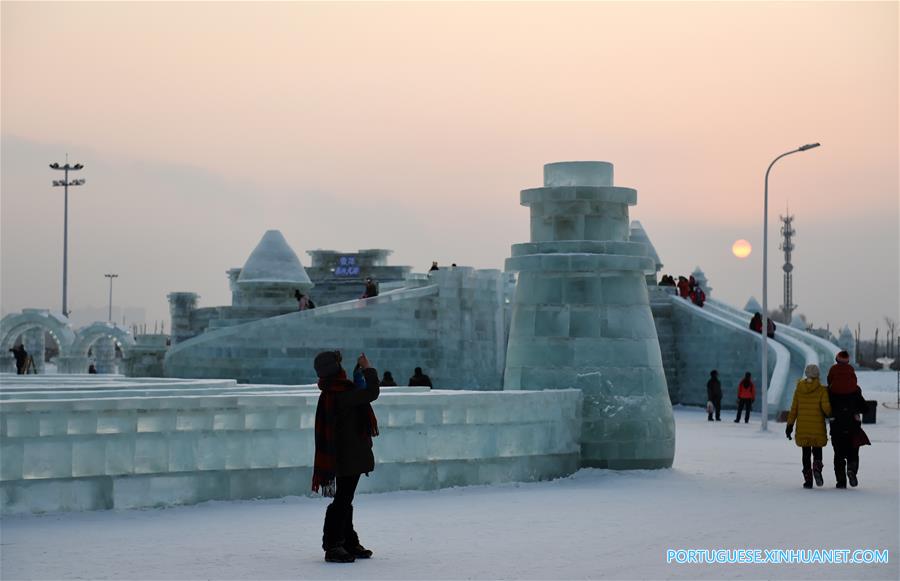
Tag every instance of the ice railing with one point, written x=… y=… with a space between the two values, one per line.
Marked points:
x=778 y=352
x=68 y=387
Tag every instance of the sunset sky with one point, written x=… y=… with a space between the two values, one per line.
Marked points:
x=413 y=126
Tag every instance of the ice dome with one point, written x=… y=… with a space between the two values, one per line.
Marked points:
x=273 y=261
x=753 y=306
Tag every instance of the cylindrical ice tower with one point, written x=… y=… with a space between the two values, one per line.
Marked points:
x=581 y=317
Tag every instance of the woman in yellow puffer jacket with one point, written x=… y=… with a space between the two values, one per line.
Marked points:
x=809 y=409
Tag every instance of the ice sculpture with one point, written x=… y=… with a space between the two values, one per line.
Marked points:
x=581 y=316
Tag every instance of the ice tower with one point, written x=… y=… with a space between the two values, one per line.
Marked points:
x=581 y=317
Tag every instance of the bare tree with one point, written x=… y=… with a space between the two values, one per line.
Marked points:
x=891 y=333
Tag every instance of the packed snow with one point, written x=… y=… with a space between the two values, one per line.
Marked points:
x=732 y=486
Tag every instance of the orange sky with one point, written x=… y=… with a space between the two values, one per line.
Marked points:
x=413 y=126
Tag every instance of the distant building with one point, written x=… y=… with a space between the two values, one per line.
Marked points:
x=340 y=276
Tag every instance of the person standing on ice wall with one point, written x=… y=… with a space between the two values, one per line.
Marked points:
x=746 y=396
x=345 y=426
x=847 y=406
x=809 y=409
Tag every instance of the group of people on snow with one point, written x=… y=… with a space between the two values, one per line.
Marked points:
x=745 y=397
x=839 y=401
x=687 y=288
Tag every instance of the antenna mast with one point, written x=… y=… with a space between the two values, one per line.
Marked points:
x=787 y=245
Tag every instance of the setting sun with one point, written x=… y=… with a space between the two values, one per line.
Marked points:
x=741 y=248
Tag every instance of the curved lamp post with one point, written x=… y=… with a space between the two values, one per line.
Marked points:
x=765 y=289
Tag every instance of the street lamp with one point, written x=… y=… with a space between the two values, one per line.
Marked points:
x=765 y=289
x=110 y=277
x=65 y=183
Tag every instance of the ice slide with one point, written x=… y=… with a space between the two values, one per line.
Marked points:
x=800 y=354
x=824 y=350
x=213 y=335
x=281 y=349
x=779 y=354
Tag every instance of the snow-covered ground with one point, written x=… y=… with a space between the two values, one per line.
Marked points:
x=732 y=487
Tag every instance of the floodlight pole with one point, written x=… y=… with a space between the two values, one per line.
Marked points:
x=110 y=277
x=65 y=183
x=764 y=332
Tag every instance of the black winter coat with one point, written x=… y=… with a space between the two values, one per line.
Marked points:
x=420 y=381
x=714 y=390
x=354 y=449
x=843 y=408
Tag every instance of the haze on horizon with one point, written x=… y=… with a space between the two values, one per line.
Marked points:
x=413 y=126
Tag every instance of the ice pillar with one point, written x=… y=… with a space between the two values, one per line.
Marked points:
x=104 y=350
x=581 y=316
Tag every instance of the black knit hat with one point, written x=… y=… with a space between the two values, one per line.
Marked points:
x=327 y=364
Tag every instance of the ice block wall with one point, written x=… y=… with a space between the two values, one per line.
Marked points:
x=581 y=316
x=94 y=442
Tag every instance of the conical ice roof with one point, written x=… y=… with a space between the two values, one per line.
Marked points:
x=273 y=261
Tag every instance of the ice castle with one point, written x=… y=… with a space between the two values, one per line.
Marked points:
x=570 y=357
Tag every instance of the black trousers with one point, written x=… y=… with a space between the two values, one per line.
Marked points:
x=816 y=453
x=744 y=404
x=717 y=404
x=846 y=457
x=338 y=530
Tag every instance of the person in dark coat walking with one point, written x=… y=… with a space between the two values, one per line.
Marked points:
x=345 y=426
x=746 y=396
x=21 y=357
x=419 y=379
x=388 y=380
x=714 y=395
x=847 y=407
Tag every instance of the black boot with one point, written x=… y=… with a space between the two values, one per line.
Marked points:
x=338 y=555
x=840 y=473
x=817 y=473
x=333 y=536
x=852 y=469
x=351 y=539
x=807 y=478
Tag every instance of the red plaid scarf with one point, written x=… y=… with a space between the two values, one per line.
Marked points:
x=325 y=465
